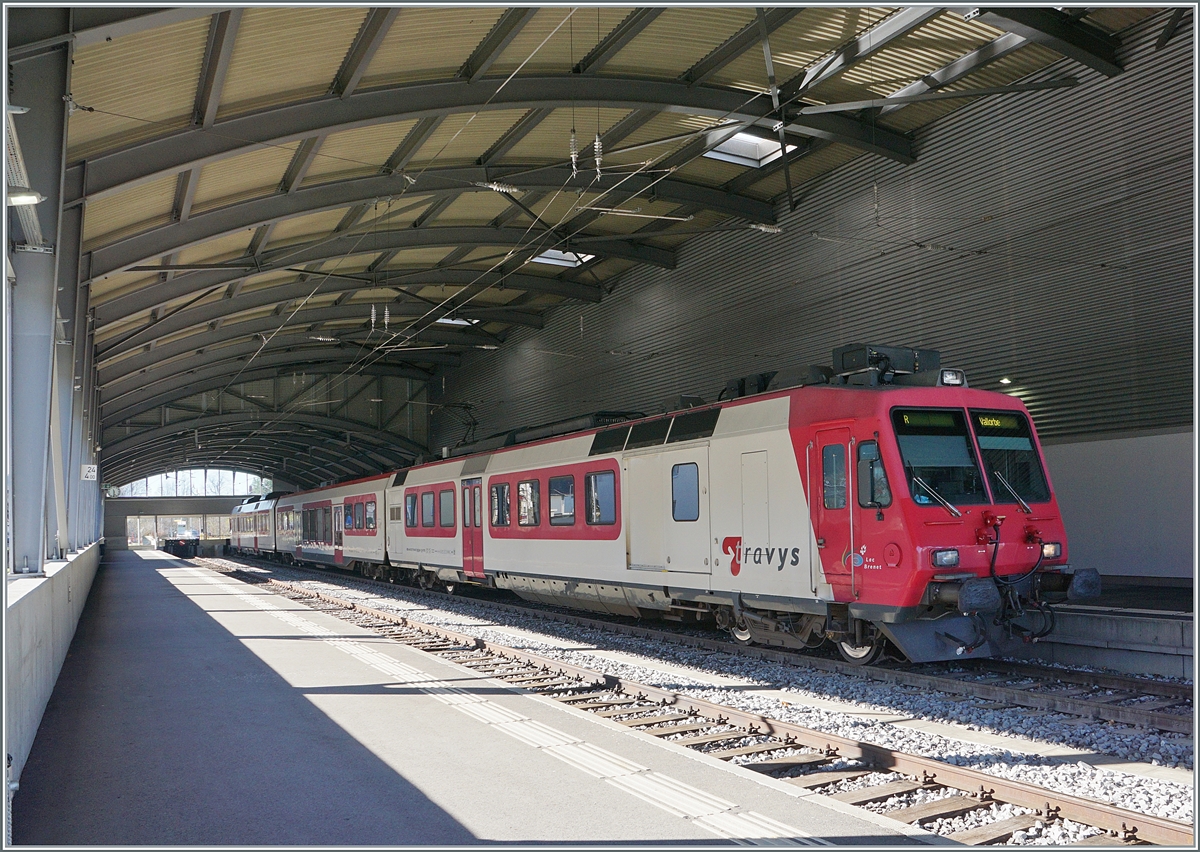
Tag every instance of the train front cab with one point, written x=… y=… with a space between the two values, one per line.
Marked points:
x=918 y=544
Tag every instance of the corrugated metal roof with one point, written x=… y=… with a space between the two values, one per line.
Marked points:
x=356 y=153
x=214 y=251
x=251 y=175
x=306 y=47
x=463 y=138
x=692 y=34
x=140 y=208
x=105 y=76
x=581 y=31
x=550 y=140
x=429 y=44
x=303 y=228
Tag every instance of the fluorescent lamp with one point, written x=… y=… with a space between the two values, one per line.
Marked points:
x=20 y=195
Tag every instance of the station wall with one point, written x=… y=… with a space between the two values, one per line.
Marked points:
x=117 y=509
x=1047 y=238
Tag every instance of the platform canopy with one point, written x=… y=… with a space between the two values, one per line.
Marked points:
x=291 y=219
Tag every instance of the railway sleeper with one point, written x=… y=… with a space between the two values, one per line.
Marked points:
x=880 y=792
x=995 y=832
x=951 y=806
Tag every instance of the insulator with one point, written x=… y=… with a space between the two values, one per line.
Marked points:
x=372 y=317
x=598 y=147
x=574 y=153
x=386 y=316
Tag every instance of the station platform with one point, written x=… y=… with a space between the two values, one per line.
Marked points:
x=196 y=710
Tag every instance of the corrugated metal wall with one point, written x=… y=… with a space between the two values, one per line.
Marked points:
x=1046 y=237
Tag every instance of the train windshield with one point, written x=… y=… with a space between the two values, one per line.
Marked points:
x=938 y=454
x=1009 y=456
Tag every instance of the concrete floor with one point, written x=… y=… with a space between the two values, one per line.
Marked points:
x=195 y=710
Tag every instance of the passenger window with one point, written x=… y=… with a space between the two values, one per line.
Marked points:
x=370 y=515
x=349 y=516
x=446 y=508
x=500 y=504
x=600 y=493
x=562 y=500
x=833 y=466
x=427 y=509
x=410 y=510
x=527 y=503
x=873 y=489
x=358 y=516
x=685 y=492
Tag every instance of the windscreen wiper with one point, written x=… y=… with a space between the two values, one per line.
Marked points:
x=946 y=504
x=1024 y=506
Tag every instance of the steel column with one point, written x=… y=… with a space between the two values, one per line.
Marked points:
x=38 y=83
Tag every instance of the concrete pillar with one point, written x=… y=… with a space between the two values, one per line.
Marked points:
x=39 y=83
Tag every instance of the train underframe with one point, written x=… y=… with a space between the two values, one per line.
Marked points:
x=976 y=618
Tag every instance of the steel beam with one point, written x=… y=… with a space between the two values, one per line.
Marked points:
x=39 y=82
x=206 y=340
x=617 y=40
x=370 y=35
x=513 y=135
x=1057 y=31
x=222 y=34
x=112 y=171
x=321 y=422
x=196 y=283
x=867 y=43
x=960 y=68
x=216 y=376
x=498 y=38
x=448 y=183
x=737 y=44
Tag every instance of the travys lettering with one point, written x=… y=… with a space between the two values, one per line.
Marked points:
x=738 y=555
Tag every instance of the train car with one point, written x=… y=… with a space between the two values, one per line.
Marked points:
x=882 y=504
x=252 y=526
x=337 y=525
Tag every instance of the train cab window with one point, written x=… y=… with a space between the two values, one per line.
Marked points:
x=562 y=500
x=446 y=508
x=833 y=475
x=358 y=516
x=500 y=504
x=938 y=456
x=600 y=492
x=685 y=492
x=1009 y=456
x=528 y=499
x=427 y=509
x=349 y=522
x=873 y=489
x=410 y=510
x=370 y=522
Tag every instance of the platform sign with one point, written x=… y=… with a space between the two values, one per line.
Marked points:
x=89 y=473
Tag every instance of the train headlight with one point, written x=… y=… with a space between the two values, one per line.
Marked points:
x=1051 y=550
x=945 y=558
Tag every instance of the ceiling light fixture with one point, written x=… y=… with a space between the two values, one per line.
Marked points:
x=21 y=195
x=1006 y=381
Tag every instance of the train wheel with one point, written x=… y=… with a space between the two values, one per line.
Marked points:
x=741 y=632
x=861 y=655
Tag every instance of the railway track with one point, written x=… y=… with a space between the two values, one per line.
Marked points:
x=788 y=752
x=1138 y=702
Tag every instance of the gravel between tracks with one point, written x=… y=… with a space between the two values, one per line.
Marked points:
x=1139 y=794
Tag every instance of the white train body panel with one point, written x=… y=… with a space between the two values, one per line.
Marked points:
x=252 y=526
x=336 y=525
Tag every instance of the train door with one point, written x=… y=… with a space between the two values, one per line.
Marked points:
x=472 y=527
x=831 y=502
x=685 y=510
x=337 y=534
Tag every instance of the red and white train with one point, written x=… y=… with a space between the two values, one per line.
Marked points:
x=885 y=503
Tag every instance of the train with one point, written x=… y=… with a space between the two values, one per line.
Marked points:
x=880 y=504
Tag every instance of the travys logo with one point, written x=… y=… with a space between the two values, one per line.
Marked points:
x=775 y=556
